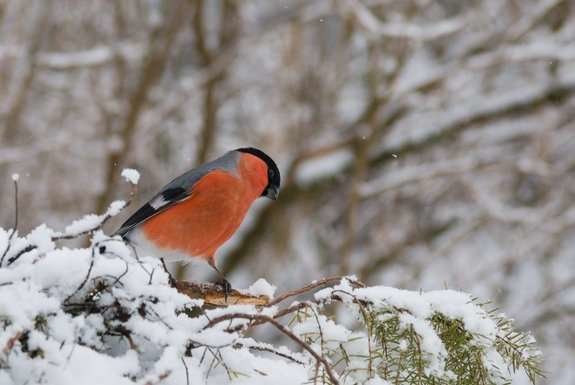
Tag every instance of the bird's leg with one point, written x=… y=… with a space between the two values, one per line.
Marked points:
x=171 y=279
x=226 y=286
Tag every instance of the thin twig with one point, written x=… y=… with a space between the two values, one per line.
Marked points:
x=279 y=314
x=20 y=253
x=275 y=352
x=283 y=312
x=137 y=257
x=294 y=308
x=15 y=204
x=92 y=258
x=6 y=249
x=187 y=372
x=15 y=228
x=287 y=332
x=313 y=285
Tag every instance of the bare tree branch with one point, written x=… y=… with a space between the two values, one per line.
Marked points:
x=152 y=68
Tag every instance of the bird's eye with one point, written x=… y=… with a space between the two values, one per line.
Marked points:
x=271 y=173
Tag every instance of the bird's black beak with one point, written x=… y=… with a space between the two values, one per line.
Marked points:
x=271 y=192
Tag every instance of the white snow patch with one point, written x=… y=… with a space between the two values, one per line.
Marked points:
x=376 y=381
x=131 y=175
x=85 y=223
x=41 y=236
x=92 y=222
x=115 y=208
x=262 y=287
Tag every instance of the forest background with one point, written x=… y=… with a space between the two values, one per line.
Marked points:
x=423 y=144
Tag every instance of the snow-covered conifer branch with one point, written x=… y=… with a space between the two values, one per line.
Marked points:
x=105 y=306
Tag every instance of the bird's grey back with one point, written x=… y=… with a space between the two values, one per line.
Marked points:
x=177 y=190
x=227 y=162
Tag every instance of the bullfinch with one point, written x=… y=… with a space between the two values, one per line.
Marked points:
x=194 y=214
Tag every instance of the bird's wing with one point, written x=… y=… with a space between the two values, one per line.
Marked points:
x=168 y=196
x=176 y=191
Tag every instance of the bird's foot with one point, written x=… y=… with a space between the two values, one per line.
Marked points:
x=226 y=287
x=171 y=279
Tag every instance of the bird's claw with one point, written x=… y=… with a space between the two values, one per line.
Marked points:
x=226 y=287
x=171 y=279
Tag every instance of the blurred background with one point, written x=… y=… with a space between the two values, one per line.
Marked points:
x=423 y=144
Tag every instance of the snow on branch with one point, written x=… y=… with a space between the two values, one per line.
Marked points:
x=42 y=238
x=62 y=308
x=528 y=52
x=411 y=174
x=92 y=57
x=316 y=169
x=372 y=24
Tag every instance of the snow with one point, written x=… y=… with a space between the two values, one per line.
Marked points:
x=271 y=371
x=332 y=164
x=47 y=283
x=85 y=223
x=396 y=179
x=41 y=236
x=403 y=30
x=92 y=221
x=131 y=175
x=42 y=288
x=423 y=305
x=262 y=287
x=4 y=236
x=332 y=334
x=430 y=343
x=115 y=208
x=119 y=314
x=415 y=310
x=90 y=57
x=377 y=381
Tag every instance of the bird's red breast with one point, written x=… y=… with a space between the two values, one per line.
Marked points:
x=212 y=213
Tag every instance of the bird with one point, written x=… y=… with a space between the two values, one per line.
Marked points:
x=197 y=212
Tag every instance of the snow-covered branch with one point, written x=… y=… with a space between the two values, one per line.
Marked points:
x=402 y=30
x=106 y=306
x=92 y=57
